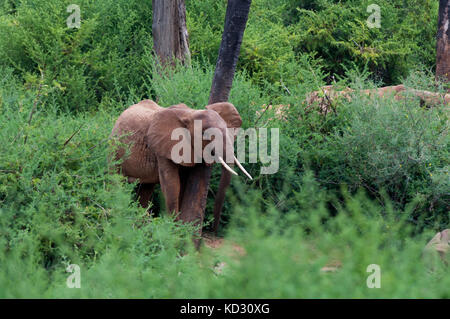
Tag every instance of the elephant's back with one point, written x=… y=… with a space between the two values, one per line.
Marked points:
x=136 y=118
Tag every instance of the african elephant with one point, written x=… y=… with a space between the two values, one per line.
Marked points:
x=148 y=129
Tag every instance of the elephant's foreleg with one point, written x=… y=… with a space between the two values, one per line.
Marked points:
x=170 y=184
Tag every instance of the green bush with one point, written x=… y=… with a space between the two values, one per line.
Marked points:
x=381 y=144
x=279 y=33
x=55 y=187
x=109 y=56
x=377 y=144
x=123 y=253
x=365 y=184
x=105 y=57
x=338 y=33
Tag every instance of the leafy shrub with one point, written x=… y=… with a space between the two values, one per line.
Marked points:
x=283 y=253
x=338 y=32
x=109 y=56
x=56 y=192
x=105 y=56
x=379 y=144
x=353 y=188
x=279 y=33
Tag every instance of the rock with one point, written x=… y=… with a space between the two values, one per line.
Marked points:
x=439 y=244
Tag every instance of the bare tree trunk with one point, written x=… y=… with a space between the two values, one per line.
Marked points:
x=233 y=32
x=443 y=42
x=235 y=21
x=170 y=35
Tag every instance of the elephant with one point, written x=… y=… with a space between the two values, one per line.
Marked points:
x=147 y=129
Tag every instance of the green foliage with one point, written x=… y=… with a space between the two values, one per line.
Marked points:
x=55 y=185
x=365 y=184
x=122 y=253
x=110 y=55
x=398 y=147
x=279 y=33
x=381 y=144
x=387 y=147
x=338 y=32
x=105 y=57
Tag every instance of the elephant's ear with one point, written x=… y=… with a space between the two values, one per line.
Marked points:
x=228 y=112
x=159 y=134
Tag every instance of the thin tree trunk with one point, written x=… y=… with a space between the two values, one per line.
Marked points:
x=170 y=35
x=443 y=42
x=235 y=21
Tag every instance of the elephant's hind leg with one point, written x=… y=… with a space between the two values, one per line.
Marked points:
x=144 y=192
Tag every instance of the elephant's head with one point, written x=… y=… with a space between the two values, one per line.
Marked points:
x=180 y=123
x=187 y=136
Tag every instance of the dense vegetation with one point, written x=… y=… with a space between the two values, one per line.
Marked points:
x=366 y=184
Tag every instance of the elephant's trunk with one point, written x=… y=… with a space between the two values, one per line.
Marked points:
x=225 y=180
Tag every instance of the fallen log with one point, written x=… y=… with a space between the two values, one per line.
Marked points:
x=326 y=98
x=327 y=95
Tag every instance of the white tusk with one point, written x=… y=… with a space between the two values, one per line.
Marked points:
x=242 y=168
x=228 y=168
